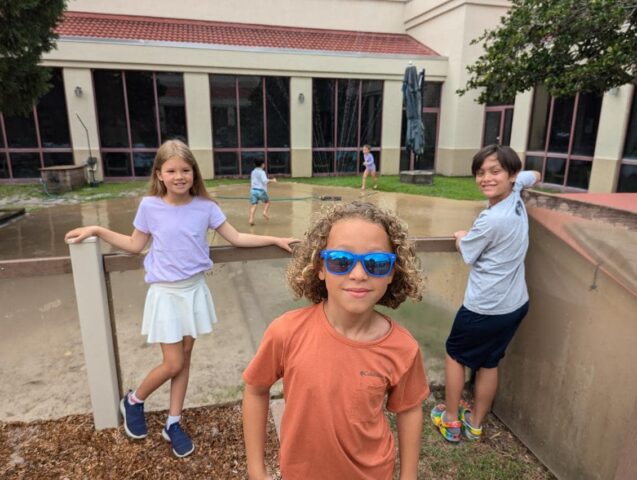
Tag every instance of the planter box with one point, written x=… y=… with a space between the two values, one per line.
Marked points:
x=421 y=177
x=63 y=178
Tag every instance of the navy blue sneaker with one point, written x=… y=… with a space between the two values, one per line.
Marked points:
x=134 y=421
x=181 y=442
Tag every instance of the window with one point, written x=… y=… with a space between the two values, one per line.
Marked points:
x=562 y=137
x=250 y=121
x=430 y=118
x=498 y=120
x=627 y=181
x=346 y=114
x=136 y=112
x=39 y=139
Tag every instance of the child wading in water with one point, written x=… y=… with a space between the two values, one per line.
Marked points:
x=496 y=299
x=339 y=357
x=259 y=190
x=177 y=215
x=370 y=166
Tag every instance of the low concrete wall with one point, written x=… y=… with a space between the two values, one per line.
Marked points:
x=567 y=385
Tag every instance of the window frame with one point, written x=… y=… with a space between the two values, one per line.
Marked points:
x=239 y=149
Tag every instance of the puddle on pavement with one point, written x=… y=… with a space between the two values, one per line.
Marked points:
x=43 y=359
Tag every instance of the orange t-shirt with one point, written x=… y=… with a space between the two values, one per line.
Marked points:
x=333 y=426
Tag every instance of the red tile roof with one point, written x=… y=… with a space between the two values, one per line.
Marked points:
x=121 y=27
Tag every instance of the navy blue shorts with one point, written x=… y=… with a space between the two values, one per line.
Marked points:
x=479 y=341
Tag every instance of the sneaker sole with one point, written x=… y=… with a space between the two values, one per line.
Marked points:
x=167 y=438
x=122 y=410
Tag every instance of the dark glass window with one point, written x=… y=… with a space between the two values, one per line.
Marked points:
x=432 y=93
x=21 y=131
x=627 y=181
x=172 y=105
x=534 y=163
x=277 y=94
x=491 y=128
x=250 y=119
x=111 y=110
x=279 y=163
x=539 y=119
x=579 y=174
x=25 y=165
x=141 y=109
x=137 y=111
x=571 y=125
x=226 y=163
x=353 y=109
x=251 y=111
x=53 y=120
x=627 y=178
x=323 y=113
x=586 y=123
x=371 y=112
x=508 y=125
x=347 y=113
x=223 y=96
x=41 y=138
x=430 y=118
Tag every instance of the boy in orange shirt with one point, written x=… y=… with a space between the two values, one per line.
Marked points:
x=339 y=358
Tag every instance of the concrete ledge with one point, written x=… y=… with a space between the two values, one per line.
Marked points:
x=420 y=177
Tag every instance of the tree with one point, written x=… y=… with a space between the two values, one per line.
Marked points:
x=567 y=45
x=26 y=32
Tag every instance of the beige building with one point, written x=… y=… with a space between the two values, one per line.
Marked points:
x=304 y=85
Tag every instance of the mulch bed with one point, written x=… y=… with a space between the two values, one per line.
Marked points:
x=70 y=448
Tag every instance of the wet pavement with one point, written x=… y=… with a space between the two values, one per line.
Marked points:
x=43 y=357
x=41 y=233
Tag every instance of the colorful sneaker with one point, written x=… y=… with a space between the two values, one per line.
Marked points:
x=180 y=441
x=470 y=432
x=450 y=431
x=134 y=421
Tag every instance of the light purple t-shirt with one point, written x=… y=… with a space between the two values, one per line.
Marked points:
x=368 y=160
x=179 y=247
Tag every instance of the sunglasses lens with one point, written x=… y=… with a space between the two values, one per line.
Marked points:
x=378 y=263
x=338 y=262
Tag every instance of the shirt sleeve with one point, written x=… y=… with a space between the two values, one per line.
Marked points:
x=411 y=389
x=217 y=217
x=525 y=179
x=267 y=365
x=141 y=221
x=477 y=239
x=264 y=177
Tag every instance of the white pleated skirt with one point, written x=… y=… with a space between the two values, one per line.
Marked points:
x=178 y=309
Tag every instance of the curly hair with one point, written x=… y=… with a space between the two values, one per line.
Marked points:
x=302 y=272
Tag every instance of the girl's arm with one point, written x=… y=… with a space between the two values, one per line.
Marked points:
x=230 y=234
x=255 y=416
x=409 y=425
x=133 y=243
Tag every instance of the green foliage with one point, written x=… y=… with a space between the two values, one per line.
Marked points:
x=26 y=32
x=567 y=45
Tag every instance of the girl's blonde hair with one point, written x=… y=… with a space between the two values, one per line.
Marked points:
x=302 y=272
x=176 y=148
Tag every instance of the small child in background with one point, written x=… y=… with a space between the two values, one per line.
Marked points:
x=496 y=299
x=259 y=190
x=342 y=362
x=370 y=166
x=176 y=215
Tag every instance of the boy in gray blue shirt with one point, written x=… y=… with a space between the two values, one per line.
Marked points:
x=259 y=190
x=496 y=299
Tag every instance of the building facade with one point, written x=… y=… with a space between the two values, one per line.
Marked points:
x=303 y=85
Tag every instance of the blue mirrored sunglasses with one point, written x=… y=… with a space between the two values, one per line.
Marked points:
x=341 y=262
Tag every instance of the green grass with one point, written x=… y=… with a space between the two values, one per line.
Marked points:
x=498 y=456
x=456 y=188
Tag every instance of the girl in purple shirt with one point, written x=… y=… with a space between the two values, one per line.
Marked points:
x=177 y=215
